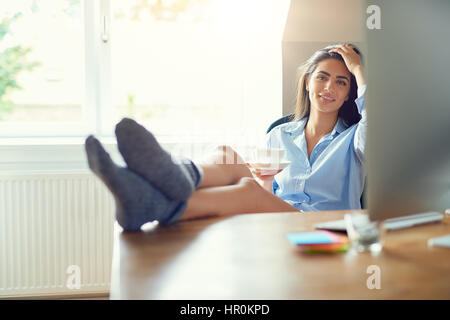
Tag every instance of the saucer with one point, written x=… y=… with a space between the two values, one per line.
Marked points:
x=267 y=166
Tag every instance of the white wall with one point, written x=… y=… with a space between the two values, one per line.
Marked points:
x=312 y=25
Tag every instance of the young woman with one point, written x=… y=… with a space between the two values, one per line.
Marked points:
x=325 y=144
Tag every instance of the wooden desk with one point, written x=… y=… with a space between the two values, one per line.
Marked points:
x=249 y=257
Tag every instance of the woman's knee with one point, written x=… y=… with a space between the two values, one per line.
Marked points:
x=250 y=184
x=255 y=196
x=262 y=200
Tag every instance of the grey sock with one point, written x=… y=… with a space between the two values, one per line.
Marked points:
x=137 y=201
x=144 y=155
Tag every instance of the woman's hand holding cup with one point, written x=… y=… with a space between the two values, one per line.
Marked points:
x=264 y=177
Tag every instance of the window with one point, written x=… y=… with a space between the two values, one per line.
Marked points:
x=184 y=68
x=41 y=63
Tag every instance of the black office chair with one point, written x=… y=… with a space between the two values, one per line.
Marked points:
x=289 y=118
x=282 y=120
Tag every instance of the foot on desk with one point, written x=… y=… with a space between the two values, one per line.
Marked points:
x=143 y=154
x=137 y=201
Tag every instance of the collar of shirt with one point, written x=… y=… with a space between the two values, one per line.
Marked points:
x=297 y=127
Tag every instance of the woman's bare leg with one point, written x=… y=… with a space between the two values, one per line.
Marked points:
x=247 y=196
x=223 y=167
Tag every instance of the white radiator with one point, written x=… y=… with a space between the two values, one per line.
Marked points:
x=56 y=235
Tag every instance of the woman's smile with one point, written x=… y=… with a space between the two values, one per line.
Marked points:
x=329 y=86
x=326 y=98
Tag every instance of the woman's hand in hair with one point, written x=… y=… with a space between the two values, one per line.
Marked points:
x=352 y=61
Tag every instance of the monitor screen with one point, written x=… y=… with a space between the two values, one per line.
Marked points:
x=408 y=107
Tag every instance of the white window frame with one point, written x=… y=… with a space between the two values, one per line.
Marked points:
x=38 y=148
x=90 y=95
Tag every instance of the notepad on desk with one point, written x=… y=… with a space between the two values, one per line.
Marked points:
x=319 y=242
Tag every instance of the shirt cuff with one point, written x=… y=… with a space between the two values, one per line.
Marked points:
x=361 y=90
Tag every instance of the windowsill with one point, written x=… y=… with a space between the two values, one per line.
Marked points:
x=106 y=140
x=19 y=155
x=24 y=142
x=49 y=141
x=62 y=154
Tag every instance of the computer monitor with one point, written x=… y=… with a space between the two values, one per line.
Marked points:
x=408 y=108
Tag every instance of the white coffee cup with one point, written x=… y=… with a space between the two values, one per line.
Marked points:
x=264 y=155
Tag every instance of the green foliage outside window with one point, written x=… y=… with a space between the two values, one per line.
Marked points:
x=13 y=61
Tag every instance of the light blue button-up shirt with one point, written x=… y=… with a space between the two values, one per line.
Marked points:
x=333 y=177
